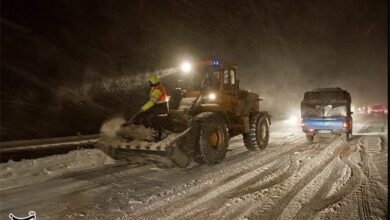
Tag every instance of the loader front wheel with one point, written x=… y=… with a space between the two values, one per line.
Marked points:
x=213 y=141
x=258 y=136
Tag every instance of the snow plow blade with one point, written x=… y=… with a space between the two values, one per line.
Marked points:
x=175 y=150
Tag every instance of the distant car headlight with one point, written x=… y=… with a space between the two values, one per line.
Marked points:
x=293 y=119
x=212 y=96
x=186 y=67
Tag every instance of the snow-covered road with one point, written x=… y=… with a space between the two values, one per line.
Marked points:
x=289 y=180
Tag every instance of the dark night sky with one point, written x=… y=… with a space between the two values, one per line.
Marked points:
x=56 y=56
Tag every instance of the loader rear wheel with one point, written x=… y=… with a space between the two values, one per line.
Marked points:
x=258 y=136
x=213 y=140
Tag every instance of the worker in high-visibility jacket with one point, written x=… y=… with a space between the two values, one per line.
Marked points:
x=157 y=105
x=158 y=97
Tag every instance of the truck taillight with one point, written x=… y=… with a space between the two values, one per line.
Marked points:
x=345 y=124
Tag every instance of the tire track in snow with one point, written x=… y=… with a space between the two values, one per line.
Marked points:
x=363 y=199
x=364 y=205
x=371 y=192
x=204 y=209
x=320 y=201
x=246 y=208
x=233 y=165
x=276 y=210
x=236 y=171
x=292 y=168
x=252 y=187
x=190 y=202
x=71 y=183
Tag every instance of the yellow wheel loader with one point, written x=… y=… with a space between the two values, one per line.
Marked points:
x=211 y=111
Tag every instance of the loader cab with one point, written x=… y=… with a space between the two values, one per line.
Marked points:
x=215 y=83
x=219 y=86
x=210 y=77
x=219 y=76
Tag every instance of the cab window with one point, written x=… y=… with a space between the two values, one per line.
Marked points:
x=211 y=77
x=229 y=78
x=232 y=77
x=226 y=77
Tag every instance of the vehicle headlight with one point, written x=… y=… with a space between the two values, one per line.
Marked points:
x=212 y=96
x=293 y=119
x=186 y=67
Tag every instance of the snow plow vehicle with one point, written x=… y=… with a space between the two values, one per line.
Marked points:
x=210 y=110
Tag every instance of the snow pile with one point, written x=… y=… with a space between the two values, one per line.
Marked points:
x=136 y=132
x=113 y=127
x=14 y=174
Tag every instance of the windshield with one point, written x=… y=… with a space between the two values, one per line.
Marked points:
x=211 y=77
x=204 y=77
x=324 y=111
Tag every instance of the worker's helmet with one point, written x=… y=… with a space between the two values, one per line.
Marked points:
x=153 y=79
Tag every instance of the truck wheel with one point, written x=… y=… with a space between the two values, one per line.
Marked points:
x=310 y=139
x=213 y=140
x=345 y=137
x=258 y=136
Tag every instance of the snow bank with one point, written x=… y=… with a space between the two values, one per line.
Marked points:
x=14 y=174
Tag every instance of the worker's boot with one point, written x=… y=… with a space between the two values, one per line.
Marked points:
x=159 y=135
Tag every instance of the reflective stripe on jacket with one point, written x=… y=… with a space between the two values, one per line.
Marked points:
x=163 y=93
x=157 y=95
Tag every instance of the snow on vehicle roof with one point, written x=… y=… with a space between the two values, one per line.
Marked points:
x=326 y=96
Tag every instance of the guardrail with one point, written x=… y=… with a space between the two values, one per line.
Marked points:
x=38 y=144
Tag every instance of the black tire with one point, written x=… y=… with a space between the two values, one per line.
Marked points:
x=258 y=136
x=213 y=140
x=310 y=139
x=198 y=158
x=346 y=137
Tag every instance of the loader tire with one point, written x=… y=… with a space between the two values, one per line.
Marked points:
x=198 y=158
x=213 y=140
x=258 y=136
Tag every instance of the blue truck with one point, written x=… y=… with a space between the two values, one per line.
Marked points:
x=326 y=111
